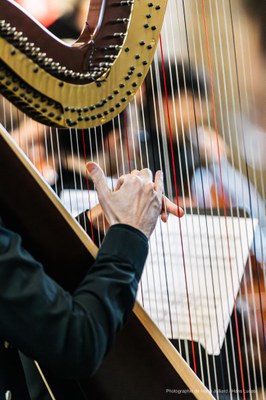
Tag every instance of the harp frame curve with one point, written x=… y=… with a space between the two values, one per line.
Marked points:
x=69 y=99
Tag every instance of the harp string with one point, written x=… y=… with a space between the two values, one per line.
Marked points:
x=162 y=274
x=256 y=275
x=127 y=142
x=176 y=193
x=190 y=203
x=160 y=240
x=170 y=166
x=197 y=125
x=254 y=177
x=228 y=123
x=201 y=125
x=223 y=197
x=218 y=200
x=197 y=145
x=257 y=210
x=189 y=129
x=247 y=172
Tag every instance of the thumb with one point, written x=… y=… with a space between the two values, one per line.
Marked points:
x=98 y=178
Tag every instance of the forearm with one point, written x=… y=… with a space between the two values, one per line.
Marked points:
x=50 y=325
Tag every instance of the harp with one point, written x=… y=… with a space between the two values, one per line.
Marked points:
x=204 y=284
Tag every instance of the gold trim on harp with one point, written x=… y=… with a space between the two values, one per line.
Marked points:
x=194 y=384
x=95 y=103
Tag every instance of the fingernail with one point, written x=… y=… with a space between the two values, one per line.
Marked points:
x=91 y=167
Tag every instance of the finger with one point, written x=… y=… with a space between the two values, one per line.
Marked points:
x=135 y=172
x=98 y=178
x=169 y=207
x=120 y=182
x=158 y=184
x=146 y=174
x=164 y=216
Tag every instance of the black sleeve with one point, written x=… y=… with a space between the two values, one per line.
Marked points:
x=48 y=324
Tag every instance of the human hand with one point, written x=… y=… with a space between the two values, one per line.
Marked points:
x=99 y=222
x=136 y=201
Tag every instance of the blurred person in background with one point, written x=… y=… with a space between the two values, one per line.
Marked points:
x=183 y=141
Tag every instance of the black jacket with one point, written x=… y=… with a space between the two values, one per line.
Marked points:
x=68 y=335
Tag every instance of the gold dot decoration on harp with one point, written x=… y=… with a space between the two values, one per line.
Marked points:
x=110 y=85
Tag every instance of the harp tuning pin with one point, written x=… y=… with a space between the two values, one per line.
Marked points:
x=122 y=20
x=127 y=2
x=22 y=39
x=110 y=56
x=17 y=34
x=114 y=47
x=119 y=34
x=105 y=64
x=68 y=72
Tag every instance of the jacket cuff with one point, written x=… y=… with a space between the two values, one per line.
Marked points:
x=128 y=244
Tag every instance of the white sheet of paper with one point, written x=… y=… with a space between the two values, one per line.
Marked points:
x=193 y=275
x=77 y=201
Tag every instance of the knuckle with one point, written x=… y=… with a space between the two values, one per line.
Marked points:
x=149 y=186
x=135 y=179
x=135 y=172
x=147 y=173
